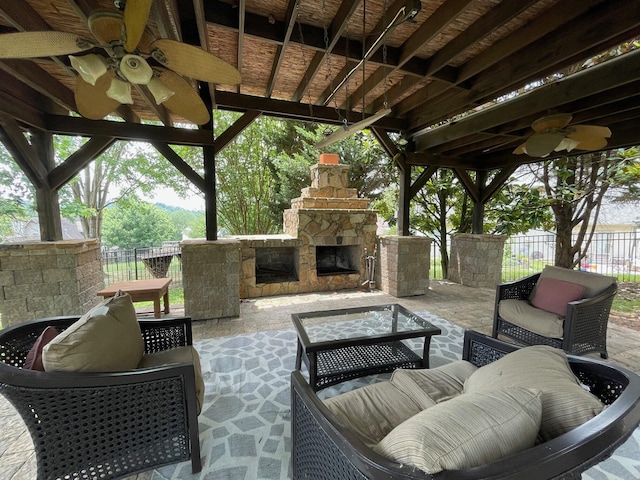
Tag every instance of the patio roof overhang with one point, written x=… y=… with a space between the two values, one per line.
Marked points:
x=448 y=77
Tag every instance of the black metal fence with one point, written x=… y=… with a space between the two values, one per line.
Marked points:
x=610 y=253
x=143 y=263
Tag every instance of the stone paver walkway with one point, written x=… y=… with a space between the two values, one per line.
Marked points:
x=465 y=306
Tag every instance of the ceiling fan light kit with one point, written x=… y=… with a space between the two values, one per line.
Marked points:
x=105 y=80
x=90 y=67
x=120 y=91
x=135 y=69
x=161 y=93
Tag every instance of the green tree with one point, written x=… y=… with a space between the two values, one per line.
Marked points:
x=576 y=187
x=133 y=223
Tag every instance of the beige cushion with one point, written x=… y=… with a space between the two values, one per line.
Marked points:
x=593 y=283
x=105 y=339
x=525 y=315
x=565 y=404
x=467 y=431
x=373 y=411
x=429 y=386
x=178 y=355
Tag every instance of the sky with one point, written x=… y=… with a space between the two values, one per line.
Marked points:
x=169 y=197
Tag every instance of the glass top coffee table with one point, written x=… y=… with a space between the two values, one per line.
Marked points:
x=338 y=345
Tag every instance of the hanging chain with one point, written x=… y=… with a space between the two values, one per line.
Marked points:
x=327 y=56
x=384 y=64
x=364 y=49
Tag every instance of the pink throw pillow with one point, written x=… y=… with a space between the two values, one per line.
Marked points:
x=553 y=295
x=34 y=357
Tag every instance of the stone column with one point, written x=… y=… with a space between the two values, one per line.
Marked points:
x=211 y=278
x=46 y=279
x=403 y=265
x=476 y=260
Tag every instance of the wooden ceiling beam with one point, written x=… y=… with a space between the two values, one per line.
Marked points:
x=14 y=106
x=422 y=179
x=496 y=17
x=23 y=153
x=234 y=130
x=616 y=72
x=165 y=14
x=296 y=110
x=385 y=141
x=183 y=167
x=66 y=125
x=597 y=31
x=41 y=81
x=393 y=94
x=290 y=21
x=335 y=31
x=203 y=36
x=78 y=160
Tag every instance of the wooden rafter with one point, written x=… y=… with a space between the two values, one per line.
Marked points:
x=23 y=153
x=78 y=160
x=183 y=167
x=289 y=21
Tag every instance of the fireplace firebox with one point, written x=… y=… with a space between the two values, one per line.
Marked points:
x=274 y=265
x=337 y=259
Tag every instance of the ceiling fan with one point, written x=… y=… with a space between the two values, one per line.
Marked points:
x=552 y=134
x=104 y=81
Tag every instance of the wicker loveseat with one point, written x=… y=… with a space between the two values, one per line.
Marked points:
x=105 y=425
x=579 y=326
x=323 y=448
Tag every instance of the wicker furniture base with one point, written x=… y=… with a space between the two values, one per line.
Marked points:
x=339 y=345
x=87 y=426
x=323 y=449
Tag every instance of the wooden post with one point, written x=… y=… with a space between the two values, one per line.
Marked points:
x=477 y=219
x=47 y=201
x=404 y=199
x=209 y=152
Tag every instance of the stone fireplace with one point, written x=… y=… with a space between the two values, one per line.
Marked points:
x=326 y=230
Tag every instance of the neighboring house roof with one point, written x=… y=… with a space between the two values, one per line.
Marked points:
x=620 y=214
x=29 y=230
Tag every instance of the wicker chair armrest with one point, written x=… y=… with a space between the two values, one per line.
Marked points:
x=164 y=334
x=604 y=297
x=481 y=349
x=518 y=289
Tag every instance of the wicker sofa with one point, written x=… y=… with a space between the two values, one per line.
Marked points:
x=323 y=448
x=110 y=425
x=582 y=326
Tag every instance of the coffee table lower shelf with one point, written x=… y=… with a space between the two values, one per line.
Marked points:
x=346 y=363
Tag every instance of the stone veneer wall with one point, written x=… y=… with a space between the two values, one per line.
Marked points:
x=210 y=276
x=403 y=264
x=45 y=279
x=476 y=260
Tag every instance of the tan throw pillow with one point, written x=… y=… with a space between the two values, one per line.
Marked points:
x=467 y=431
x=105 y=339
x=372 y=411
x=565 y=404
x=430 y=386
x=186 y=354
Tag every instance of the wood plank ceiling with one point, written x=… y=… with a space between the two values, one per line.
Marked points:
x=298 y=60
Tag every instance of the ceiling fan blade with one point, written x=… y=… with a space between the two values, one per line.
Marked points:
x=586 y=132
x=41 y=44
x=521 y=149
x=185 y=101
x=592 y=143
x=92 y=100
x=194 y=62
x=342 y=133
x=136 y=13
x=549 y=122
x=106 y=26
x=542 y=144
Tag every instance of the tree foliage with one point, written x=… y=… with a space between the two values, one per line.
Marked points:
x=575 y=188
x=133 y=223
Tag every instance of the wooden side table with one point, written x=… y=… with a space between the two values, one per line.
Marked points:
x=142 y=291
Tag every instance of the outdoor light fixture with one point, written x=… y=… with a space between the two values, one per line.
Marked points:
x=135 y=69
x=159 y=91
x=90 y=67
x=120 y=91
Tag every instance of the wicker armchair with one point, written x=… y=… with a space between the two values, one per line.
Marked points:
x=584 y=329
x=323 y=449
x=104 y=425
